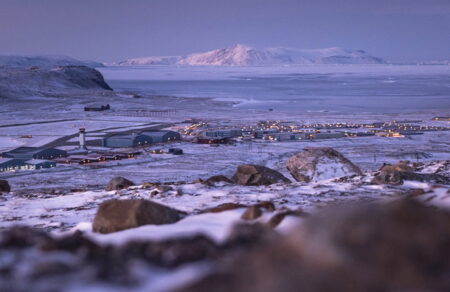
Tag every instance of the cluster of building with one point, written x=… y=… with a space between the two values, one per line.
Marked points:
x=31 y=158
x=291 y=131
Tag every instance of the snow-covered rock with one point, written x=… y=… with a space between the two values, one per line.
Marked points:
x=320 y=163
x=257 y=175
x=240 y=55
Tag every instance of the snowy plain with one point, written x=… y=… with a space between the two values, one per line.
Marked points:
x=64 y=199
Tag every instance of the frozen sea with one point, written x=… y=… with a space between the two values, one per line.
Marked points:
x=322 y=88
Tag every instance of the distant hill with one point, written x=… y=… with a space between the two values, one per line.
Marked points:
x=24 y=76
x=169 y=60
x=21 y=61
x=241 y=55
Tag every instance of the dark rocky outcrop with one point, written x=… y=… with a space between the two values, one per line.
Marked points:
x=257 y=175
x=319 y=163
x=118 y=183
x=4 y=186
x=216 y=179
x=116 y=215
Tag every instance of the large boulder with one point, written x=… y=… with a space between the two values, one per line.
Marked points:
x=396 y=174
x=399 y=246
x=116 y=215
x=119 y=183
x=320 y=163
x=4 y=186
x=388 y=175
x=257 y=175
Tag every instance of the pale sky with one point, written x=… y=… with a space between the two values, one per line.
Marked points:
x=111 y=30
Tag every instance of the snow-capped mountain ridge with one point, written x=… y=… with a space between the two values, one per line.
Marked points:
x=241 y=55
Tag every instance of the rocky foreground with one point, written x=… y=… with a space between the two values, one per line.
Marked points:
x=326 y=226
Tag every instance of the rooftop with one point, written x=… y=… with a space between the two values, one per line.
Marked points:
x=156 y=133
x=36 y=161
x=4 y=160
x=25 y=149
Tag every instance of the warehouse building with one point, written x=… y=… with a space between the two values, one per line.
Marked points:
x=126 y=140
x=219 y=134
x=28 y=153
x=162 y=136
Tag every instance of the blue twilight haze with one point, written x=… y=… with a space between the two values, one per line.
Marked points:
x=110 y=30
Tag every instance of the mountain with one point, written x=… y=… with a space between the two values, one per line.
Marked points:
x=21 y=61
x=240 y=55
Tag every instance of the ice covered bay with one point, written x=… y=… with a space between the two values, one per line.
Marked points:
x=303 y=88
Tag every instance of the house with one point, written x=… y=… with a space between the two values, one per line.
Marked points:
x=286 y=136
x=162 y=136
x=126 y=140
x=28 y=153
x=389 y=134
x=175 y=151
x=364 y=134
x=334 y=135
x=157 y=151
x=39 y=163
x=260 y=133
x=441 y=118
x=86 y=159
x=97 y=108
x=11 y=164
x=213 y=141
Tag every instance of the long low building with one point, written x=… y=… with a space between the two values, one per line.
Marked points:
x=14 y=164
x=220 y=134
x=39 y=163
x=291 y=136
x=28 y=153
x=11 y=164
